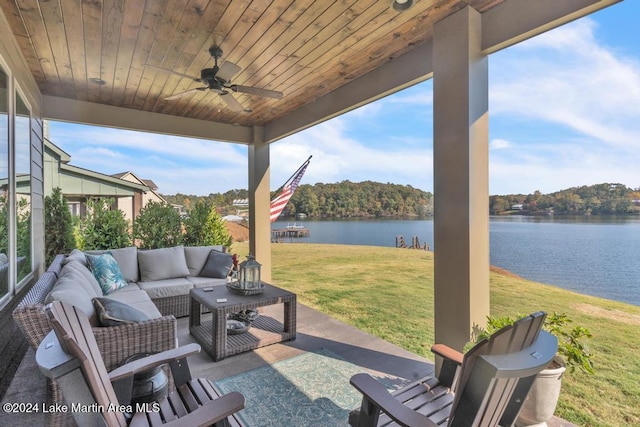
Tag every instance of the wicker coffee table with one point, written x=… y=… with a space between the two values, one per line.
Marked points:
x=265 y=330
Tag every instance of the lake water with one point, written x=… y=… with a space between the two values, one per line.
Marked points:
x=591 y=255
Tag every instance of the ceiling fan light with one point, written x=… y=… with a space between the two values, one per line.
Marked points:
x=401 y=5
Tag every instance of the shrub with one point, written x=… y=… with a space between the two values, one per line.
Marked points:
x=205 y=226
x=572 y=346
x=103 y=227
x=58 y=226
x=157 y=226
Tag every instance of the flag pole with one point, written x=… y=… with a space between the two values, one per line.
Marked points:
x=275 y=194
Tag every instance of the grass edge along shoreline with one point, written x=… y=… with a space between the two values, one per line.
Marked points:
x=355 y=283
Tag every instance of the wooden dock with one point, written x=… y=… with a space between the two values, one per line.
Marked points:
x=415 y=243
x=280 y=234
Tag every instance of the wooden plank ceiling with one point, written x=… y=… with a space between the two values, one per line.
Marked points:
x=103 y=51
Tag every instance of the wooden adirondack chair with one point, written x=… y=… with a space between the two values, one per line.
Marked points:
x=485 y=387
x=70 y=356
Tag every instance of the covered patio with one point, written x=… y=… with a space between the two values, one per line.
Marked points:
x=317 y=332
x=99 y=63
x=127 y=64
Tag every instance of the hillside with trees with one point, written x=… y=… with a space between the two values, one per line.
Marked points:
x=363 y=199
x=343 y=199
x=374 y=199
x=599 y=199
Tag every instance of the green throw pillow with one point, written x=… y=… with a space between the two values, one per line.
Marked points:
x=114 y=313
x=106 y=271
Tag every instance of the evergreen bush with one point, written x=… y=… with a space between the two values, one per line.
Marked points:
x=157 y=226
x=58 y=226
x=204 y=226
x=104 y=227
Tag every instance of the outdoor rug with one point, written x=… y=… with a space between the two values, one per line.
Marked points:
x=311 y=389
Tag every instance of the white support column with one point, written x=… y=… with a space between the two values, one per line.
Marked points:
x=461 y=188
x=259 y=192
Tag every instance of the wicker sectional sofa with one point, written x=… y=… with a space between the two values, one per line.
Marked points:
x=152 y=288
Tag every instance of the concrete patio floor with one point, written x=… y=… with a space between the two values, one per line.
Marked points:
x=315 y=331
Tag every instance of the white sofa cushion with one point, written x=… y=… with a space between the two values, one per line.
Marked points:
x=75 y=255
x=137 y=299
x=130 y=287
x=77 y=271
x=204 y=282
x=159 y=264
x=166 y=287
x=196 y=257
x=71 y=292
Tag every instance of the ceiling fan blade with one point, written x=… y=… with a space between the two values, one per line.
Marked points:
x=228 y=70
x=153 y=67
x=186 y=92
x=231 y=102
x=256 y=91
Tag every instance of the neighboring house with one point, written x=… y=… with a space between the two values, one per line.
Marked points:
x=79 y=185
x=150 y=196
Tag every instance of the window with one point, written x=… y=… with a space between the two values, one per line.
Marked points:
x=22 y=179
x=4 y=183
x=15 y=186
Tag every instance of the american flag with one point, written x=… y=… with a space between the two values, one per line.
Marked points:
x=282 y=198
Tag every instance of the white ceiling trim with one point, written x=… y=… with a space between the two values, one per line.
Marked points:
x=69 y=110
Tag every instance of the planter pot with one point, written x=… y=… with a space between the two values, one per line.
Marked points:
x=541 y=402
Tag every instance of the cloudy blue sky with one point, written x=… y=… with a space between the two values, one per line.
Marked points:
x=564 y=112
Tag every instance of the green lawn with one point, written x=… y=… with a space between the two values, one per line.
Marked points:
x=362 y=285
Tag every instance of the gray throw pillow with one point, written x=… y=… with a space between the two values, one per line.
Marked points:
x=197 y=256
x=114 y=313
x=218 y=265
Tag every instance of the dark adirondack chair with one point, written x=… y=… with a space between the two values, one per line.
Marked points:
x=70 y=356
x=484 y=387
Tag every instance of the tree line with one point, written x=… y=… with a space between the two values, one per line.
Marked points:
x=374 y=199
x=343 y=199
x=599 y=199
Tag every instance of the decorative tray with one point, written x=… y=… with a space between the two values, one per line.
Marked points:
x=236 y=289
x=248 y=315
x=235 y=327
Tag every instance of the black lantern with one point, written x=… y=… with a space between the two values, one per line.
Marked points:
x=249 y=275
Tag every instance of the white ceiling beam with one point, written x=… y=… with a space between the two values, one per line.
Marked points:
x=68 y=110
x=504 y=25
x=513 y=21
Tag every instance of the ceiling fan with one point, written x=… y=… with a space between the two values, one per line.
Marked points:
x=218 y=80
